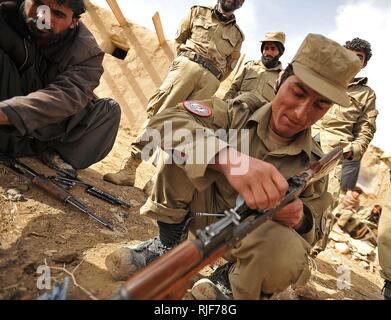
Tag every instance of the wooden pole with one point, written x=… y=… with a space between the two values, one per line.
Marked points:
x=159 y=28
x=238 y=65
x=117 y=12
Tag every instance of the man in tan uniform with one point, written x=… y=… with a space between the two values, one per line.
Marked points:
x=276 y=254
x=384 y=242
x=208 y=44
x=352 y=128
x=260 y=77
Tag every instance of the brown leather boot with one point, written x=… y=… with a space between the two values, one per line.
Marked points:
x=127 y=175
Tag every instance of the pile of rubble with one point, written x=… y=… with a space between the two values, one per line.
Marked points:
x=362 y=251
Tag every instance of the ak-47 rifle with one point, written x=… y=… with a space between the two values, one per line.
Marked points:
x=69 y=181
x=167 y=278
x=50 y=187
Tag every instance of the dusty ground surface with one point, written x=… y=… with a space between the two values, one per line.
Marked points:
x=40 y=230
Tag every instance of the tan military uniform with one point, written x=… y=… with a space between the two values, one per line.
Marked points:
x=352 y=128
x=272 y=257
x=257 y=79
x=384 y=240
x=219 y=43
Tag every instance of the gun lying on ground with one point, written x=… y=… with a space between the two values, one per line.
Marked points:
x=168 y=276
x=51 y=187
x=68 y=181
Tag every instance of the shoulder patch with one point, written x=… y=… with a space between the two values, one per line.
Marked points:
x=198 y=108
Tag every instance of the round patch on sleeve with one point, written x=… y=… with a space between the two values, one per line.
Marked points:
x=198 y=108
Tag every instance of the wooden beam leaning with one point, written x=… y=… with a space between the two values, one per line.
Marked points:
x=159 y=28
x=239 y=65
x=117 y=12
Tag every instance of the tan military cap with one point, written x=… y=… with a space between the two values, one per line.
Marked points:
x=275 y=37
x=326 y=67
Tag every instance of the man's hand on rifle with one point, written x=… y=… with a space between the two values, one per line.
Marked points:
x=261 y=185
x=292 y=215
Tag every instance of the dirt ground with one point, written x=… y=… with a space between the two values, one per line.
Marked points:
x=41 y=231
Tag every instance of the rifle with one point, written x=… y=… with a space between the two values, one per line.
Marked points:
x=51 y=187
x=168 y=276
x=68 y=181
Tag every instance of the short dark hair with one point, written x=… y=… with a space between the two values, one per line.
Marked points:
x=287 y=73
x=77 y=6
x=358 y=44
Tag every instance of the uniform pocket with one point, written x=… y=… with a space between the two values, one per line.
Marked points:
x=250 y=82
x=158 y=98
x=227 y=44
x=201 y=30
x=350 y=114
x=268 y=91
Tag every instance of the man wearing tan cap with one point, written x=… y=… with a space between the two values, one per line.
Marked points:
x=208 y=44
x=352 y=128
x=279 y=144
x=260 y=76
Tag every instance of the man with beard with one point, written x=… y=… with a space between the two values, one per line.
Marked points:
x=49 y=66
x=208 y=44
x=273 y=143
x=351 y=128
x=259 y=77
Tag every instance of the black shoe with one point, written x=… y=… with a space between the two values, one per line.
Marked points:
x=53 y=160
x=217 y=287
x=387 y=290
x=125 y=262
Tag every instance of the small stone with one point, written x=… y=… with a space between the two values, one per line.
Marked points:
x=119 y=218
x=342 y=248
x=364 y=265
x=50 y=253
x=15 y=195
x=31 y=268
x=362 y=247
x=66 y=258
x=123 y=263
x=113 y=210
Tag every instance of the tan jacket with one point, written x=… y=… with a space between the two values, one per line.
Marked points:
x=256 y=79
x=289 y=160
x=352 y=128
x=201 y=32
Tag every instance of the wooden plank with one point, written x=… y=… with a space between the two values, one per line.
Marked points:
x=159 y=28
x=238 y=65
x=117 y=12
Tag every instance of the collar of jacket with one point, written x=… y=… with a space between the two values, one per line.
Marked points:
x=55 y=51
x=276 y=68
x=301 y=143
x=362 y=81
x=219 y=16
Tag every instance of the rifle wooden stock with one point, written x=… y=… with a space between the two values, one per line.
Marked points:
x=51 y=188
x=168 y=277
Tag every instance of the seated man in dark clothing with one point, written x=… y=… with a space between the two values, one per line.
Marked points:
x=50 y=64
